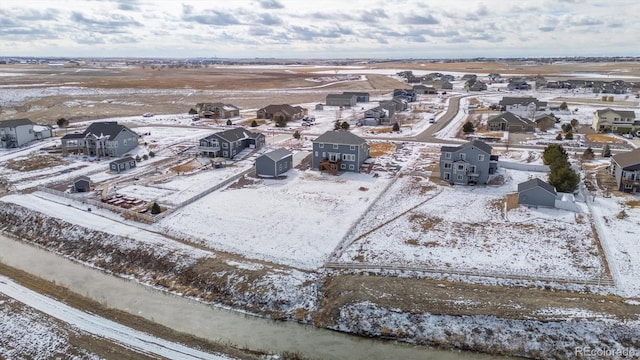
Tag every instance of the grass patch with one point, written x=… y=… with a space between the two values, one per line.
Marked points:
x=382 y=130
x=186 y=167
x=35 y=162
x=633 y=203
x=603 y=138
x=379 y=149
x=425 y=223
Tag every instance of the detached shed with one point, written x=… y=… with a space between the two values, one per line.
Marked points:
x=123 y=164
x=536 y=192
x=274 y=163
x=82 y=184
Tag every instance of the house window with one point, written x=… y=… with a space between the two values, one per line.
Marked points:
x=447 y=176
x=463 y=156
x=472 y=169
x=343 y=166
x=334 y=157
x=316 y=154
x=280 y=167
x=321 y=146
x=480 y=157
x=352 y=147
x=324 y=154
x=460 y=167
x=225 y=153
x=447 y=165
x=351 y=167
x=447 y=155
x=225 y=145
x=335 y=146
x=628 y=186
x=460 y=177
x=348 y=157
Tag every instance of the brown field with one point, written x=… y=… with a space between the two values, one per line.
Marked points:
x=176 y=90
x=603 y=138
x=379 y=149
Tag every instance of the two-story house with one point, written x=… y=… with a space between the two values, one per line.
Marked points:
x=625 y=167
x=344 y=100
x=230 y=143
x=615 y=120
x=529 y=107
x=17 y=132
x=339 y=150
x=106 y=138
x=470 y=163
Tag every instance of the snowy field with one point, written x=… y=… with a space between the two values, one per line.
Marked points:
x=418 y=223
x=297 y=221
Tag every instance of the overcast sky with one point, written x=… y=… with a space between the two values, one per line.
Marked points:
x=319 y=28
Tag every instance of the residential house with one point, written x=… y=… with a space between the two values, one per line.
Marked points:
x=470 y=163
x=217 y=110
x=394 y=105
x=230 y=143
x=625 y=167
x=339 y=150
x=443 y=84
x=361 y=97
x=425 y=90
x=81 y=184
x=284 y=111
x=17 y=132
x=537 y=193
x=545 y=121
x=523 y=106
x=475 y=85
x=407 y=94
x=274 y=163
x=107 y=138
x=123 y=164
x=376 y=116
x=518 y=84
x=344 y=100
x=622 y=121
x=510 y=122
x=494 y=77
x=469 y=77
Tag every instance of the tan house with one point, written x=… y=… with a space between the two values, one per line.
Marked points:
x=620 y=121
x=286 y=111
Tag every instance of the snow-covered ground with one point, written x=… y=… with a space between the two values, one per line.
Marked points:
x=49 y=341
x=462 y=229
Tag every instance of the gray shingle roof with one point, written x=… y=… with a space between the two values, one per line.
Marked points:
x=535 y=182
x=627 y=159
x=122 y=160
x=105 y=128
x=278 y=154
x=507 y=100
x=236 y=134
x=511 y=119
x=340 y=137
x=475 y=143
x=622 y=113
x=15 y=122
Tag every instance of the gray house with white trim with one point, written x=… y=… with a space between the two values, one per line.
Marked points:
x=470 y=163
x=346 y=100
x=339 y=151
x=230 y=143
x=274 y=163
x=123 y=164
x=537 y=193
x=106 y=138
x=81 y=184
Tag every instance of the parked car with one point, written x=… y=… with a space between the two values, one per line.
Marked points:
x=147 y=115
x=432 y=120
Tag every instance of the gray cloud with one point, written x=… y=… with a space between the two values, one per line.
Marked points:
x=269 y=19
x=583 y=20
x=271 y=4
x=374 y=15
x=111 y=23
x=260 y=31
x=209 y=17
x=420 y=20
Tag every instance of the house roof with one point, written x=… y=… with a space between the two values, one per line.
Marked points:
x=278 y=154
x=73 y=136
x=15 y=122
x=627 y=159
x=82 y=178
x=340 y=137
x=236 y=134
x=123 y=160
x=474 y=143
x=285 y=108
x=356 y=93
x=511 y=119
x=507 y=100
x=341 y=96
x=535 y=182
x=211 y=106
x=104 y=128
x=630 y=114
